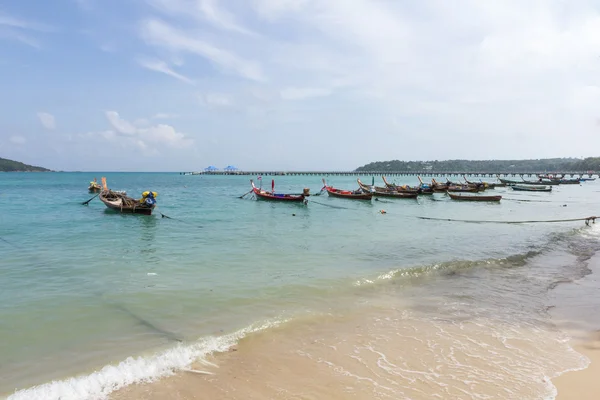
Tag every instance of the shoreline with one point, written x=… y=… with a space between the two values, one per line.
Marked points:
x=578 y=316
x=582 y=384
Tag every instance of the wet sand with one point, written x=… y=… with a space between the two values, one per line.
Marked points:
x=579 y=314
x=583 y=384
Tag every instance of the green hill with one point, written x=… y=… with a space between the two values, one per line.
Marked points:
x=541 y=165
x=15 y=166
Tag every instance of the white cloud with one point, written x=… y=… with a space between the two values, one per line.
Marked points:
x=143 y=135
x=162 y=35
x=119 y=124
x=220 y=17
x=201 y=11
x=18 y=140
x=15 y=28
x=161 y=66
x=15 y=22
x=47 y=120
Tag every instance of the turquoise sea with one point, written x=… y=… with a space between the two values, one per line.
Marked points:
x=92 y=300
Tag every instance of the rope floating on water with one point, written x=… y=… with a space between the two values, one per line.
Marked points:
x=587 y=220
x=328 y=205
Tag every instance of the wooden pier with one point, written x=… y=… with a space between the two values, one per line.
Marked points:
x=571 y=174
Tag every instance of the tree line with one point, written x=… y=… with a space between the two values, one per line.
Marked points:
x=539 y=165
x=16 y=166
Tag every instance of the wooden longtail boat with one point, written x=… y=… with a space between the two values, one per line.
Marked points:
x=534 y=188
x=541 y=182
x=120 y=202
x=524 y=182
x=264 y=195
x=403 y=188
x=574 y=181
x=587 y=179
x=474 y=197
x=509 y=182
x=487 y=185
x=347 y=194
x=464 y=188
x=384 y=192
x=94 y=188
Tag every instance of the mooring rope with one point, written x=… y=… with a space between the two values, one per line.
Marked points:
x=328 y=205
x=586 y=219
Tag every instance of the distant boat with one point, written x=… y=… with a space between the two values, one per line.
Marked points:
x=574 y=181
x=527 y=188
x=474 y=197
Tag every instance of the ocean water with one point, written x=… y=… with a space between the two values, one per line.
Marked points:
x=92 y=301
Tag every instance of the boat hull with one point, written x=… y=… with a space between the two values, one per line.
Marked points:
x=474 y=197
x=271 y=196
x=384 y=192
x=531 y=189
x=118 y=204
x=346 y=194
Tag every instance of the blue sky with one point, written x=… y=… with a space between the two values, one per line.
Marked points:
x=177 y=85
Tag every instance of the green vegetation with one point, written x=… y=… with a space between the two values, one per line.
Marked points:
x=15 y=166
x=542 y=165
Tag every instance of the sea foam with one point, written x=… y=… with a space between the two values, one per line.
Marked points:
x=99 y=384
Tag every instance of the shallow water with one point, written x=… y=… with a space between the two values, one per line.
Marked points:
x=81 y=287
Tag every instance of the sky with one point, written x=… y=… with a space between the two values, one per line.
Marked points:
x=177 y=85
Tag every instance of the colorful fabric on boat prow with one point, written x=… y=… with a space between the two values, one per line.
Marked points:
x=149 y=198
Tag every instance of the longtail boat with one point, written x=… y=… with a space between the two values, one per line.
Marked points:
x=94 y=187
x=121 y=202
x=265 y=195
x=574 y=181
x=438 y=187
x=347 y=194
x=542 y=182
x=509 y=182
x=424 y=187
x=464 y=188
x=403 y=188
x=587 y=179
x=487 y=185
x=384 y=192
x=534 y=188
x=474 y=197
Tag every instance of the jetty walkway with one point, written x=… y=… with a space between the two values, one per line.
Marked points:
x=572 y=174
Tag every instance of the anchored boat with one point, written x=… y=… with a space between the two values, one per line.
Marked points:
x=527 y=188
x=265 y=195
x=474 y=197
x=119 y=201
x=347 y=194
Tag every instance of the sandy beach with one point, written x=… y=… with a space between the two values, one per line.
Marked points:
x=583 y=384
x=579 y=315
